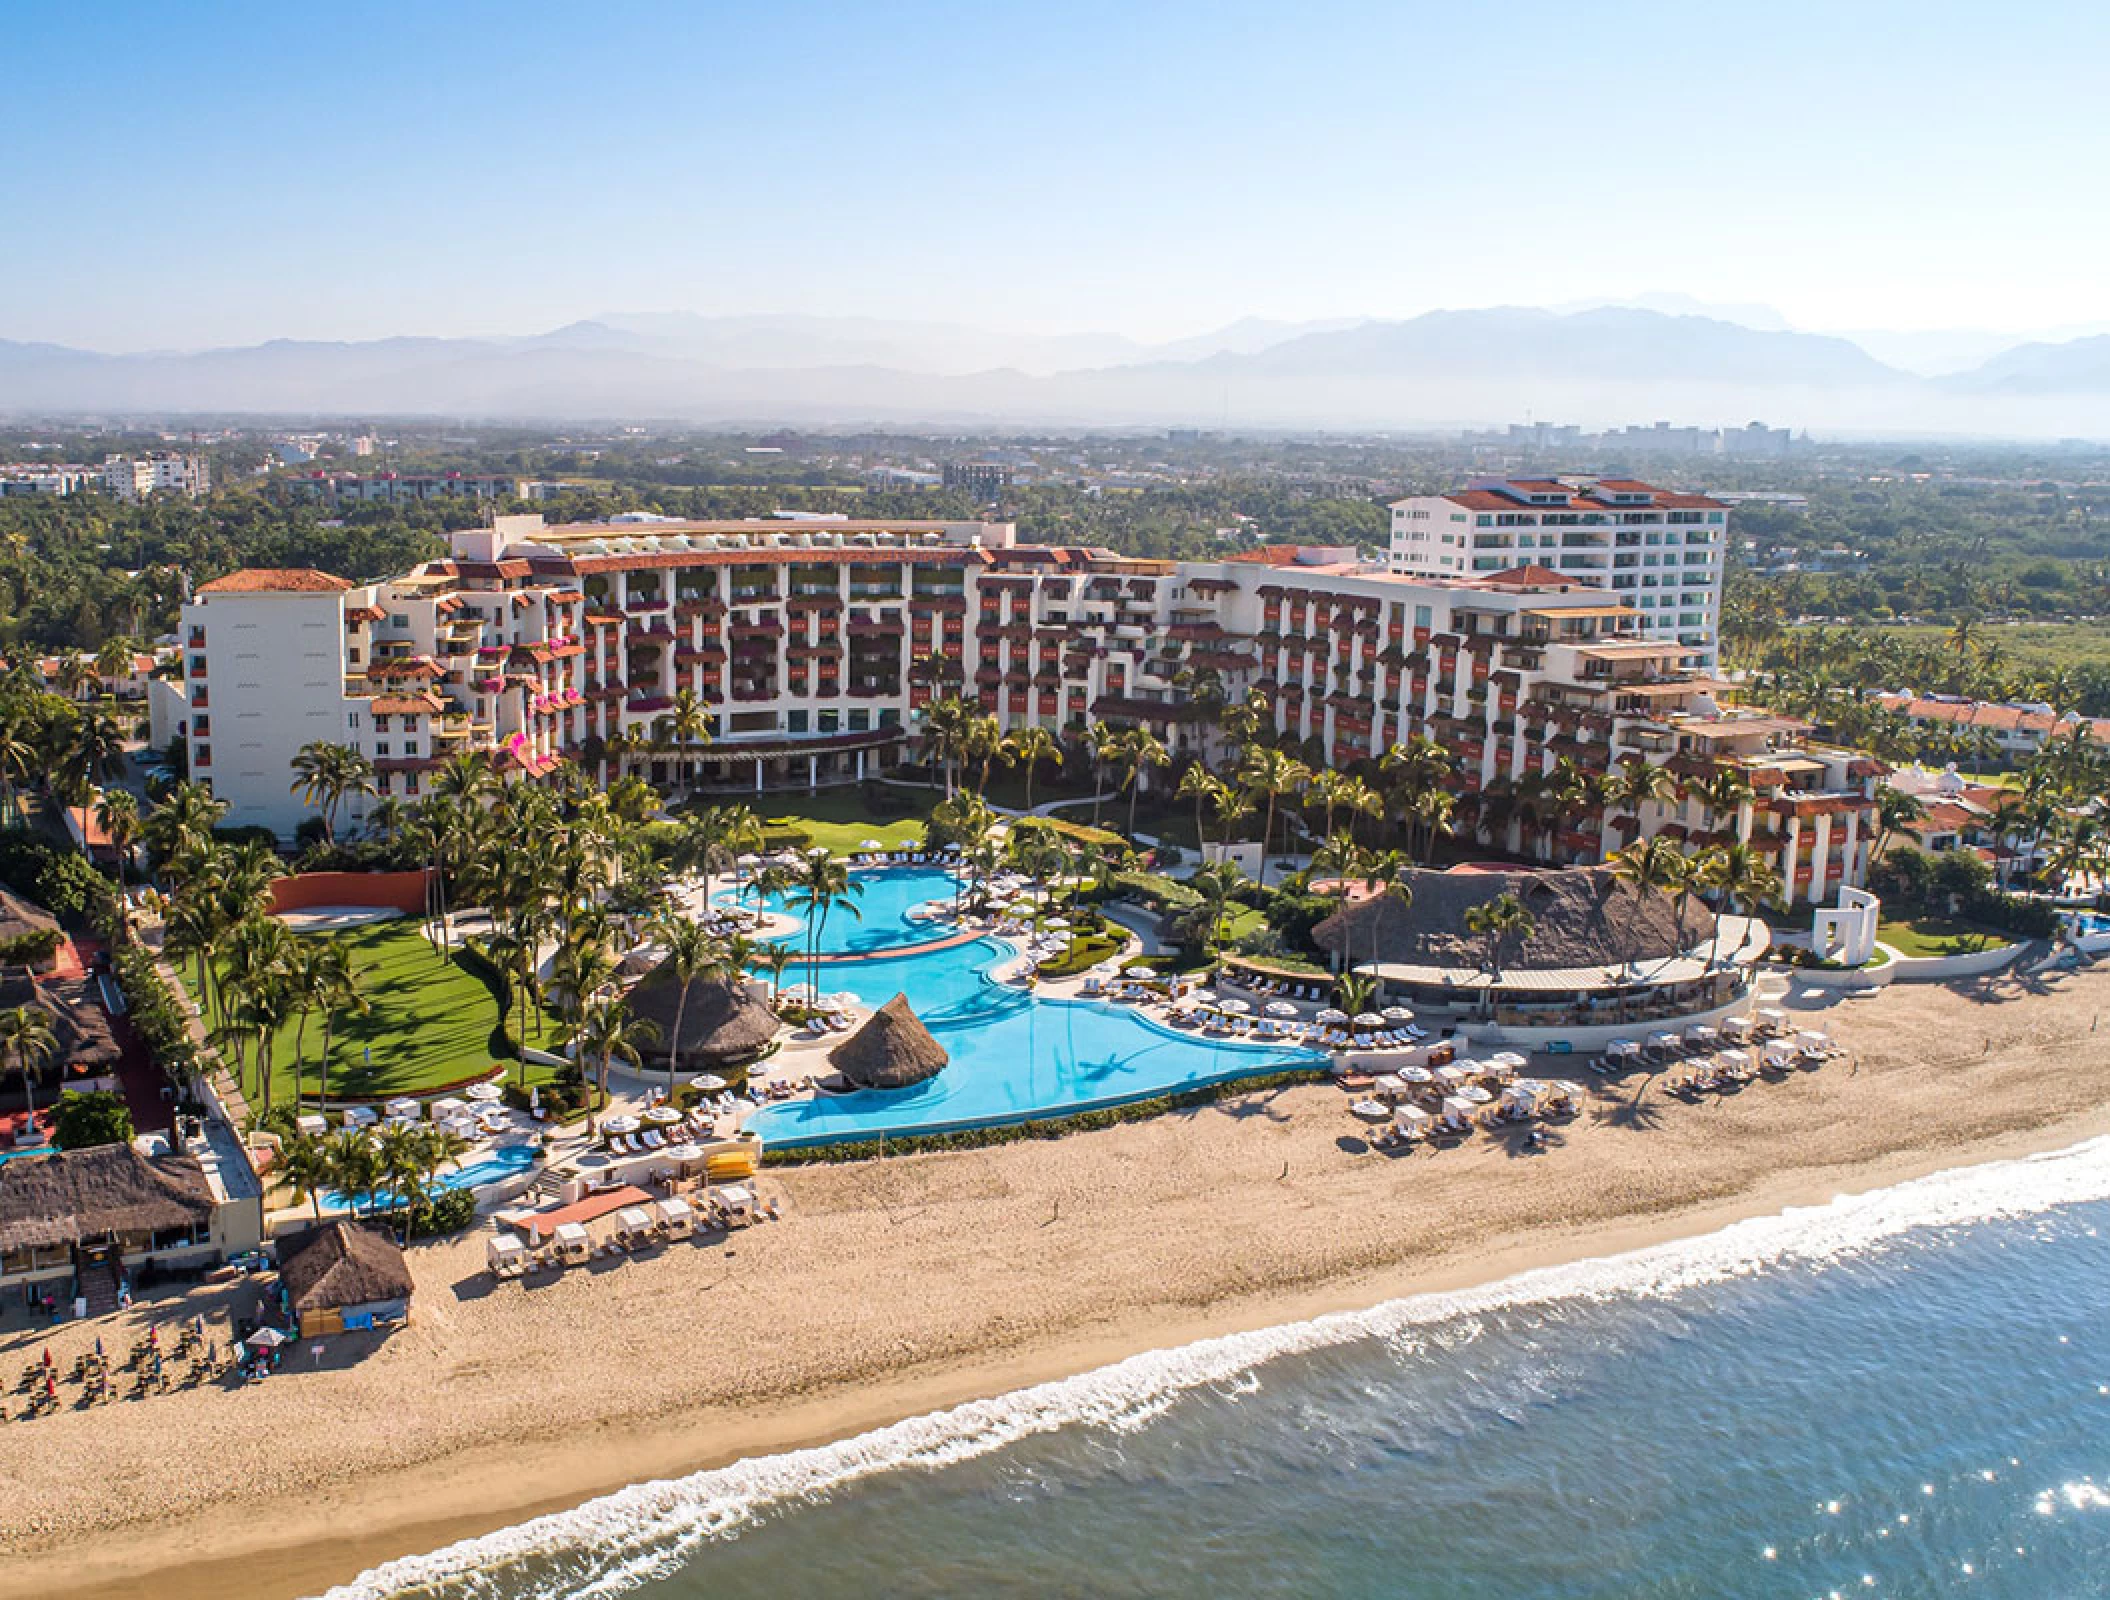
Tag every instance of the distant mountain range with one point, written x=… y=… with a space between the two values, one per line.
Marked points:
x=1596 y=365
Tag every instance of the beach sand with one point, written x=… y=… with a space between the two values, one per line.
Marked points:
x=897 y=1288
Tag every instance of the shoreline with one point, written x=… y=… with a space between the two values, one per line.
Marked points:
x=281 y=1539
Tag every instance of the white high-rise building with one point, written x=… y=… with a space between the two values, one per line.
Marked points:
x=1656 y=549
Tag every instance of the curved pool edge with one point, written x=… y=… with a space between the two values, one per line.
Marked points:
x=1314 y=1062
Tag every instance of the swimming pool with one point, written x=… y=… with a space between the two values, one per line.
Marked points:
x=1015 y=1058
x=507 y=1161
x=877 y=919
x=38 y=1150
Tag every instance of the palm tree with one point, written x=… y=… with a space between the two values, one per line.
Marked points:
x=1355 y=992
x=1650 y=866
x=608 y=1032
x=304 y=1167
x=18 y=758
x=27 y=1043
x=94 y=751
x=353 y=1166
x=945 y=724
x=1896 y=812
x=685 y=725
x=400 y=1155
x=1272 y=774
x=713 y=837
x=691 y=953
x=1638 y=782
x=1725 y=792
x=1742 y=876
x=336 y=989
x=117 y=814
x=1497 y=921
x=1197 y=783
x=1216 y=885
x=326 y=774
x=824 y=885
x=1133 y=752
x=776 y=957
x=1033 y=746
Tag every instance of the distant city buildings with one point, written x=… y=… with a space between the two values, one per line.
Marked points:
x=1656 y=550
x=985 y=480
x=1658 y=440
x=127 y=478
x=393 y=488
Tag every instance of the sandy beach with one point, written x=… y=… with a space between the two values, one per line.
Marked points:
x=896 y=1288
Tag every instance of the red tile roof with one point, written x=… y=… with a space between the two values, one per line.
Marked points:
x=276 y=580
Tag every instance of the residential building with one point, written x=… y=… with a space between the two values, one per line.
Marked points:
x=985 y=480
x=2009 y=732
x=133 y=478
x=1657 y=550
x=813 y=648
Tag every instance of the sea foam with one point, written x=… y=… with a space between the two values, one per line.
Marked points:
x=623 y=1540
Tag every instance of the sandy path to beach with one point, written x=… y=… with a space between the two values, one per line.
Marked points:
x=901 y=1287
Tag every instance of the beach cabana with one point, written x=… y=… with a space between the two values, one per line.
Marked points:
x=505 y=1255
x=343 y=1275
x=893 y=1050
x=1457 y=1112
x=1411 y=1121
x=633 y=1225
x=573 y=1242
x=734 y=1204
x=677 y=1216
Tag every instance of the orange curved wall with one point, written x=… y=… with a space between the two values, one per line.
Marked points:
x=400 y=891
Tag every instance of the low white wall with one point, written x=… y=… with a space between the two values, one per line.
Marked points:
x=1940 y=969
x=1590 y=1038
x=1848 y=977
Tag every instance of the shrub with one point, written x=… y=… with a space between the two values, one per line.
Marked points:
x=1084 y=833
x=448 y=1211
x=81 y=1120
x=31 y=949
x=784 y=836
x=156 y=1017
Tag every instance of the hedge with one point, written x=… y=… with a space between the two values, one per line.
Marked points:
x=156 y=1016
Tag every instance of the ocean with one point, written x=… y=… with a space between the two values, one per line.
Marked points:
x=1902 y=1393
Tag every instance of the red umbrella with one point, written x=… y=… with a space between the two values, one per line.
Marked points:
x=48 y=1362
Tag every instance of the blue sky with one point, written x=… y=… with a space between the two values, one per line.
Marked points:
x=187 y=176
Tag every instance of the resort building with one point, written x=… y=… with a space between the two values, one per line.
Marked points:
x=343 y=1276
x=810 y=649
x=1655 y=549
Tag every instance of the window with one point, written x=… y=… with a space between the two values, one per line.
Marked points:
x=1422 y=615
x=351 y=719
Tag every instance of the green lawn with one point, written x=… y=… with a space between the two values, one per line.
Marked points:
x=433 y=1022
x=839 y=819
x=1935 y=936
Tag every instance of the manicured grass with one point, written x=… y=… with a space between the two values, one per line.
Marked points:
x=432 y=1022
x=1935 y=936
x=2042 y=645
x=840 y=821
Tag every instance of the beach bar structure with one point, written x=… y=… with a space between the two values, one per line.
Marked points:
x=342 y=1277
x=1599 y=953
x=75 y=1220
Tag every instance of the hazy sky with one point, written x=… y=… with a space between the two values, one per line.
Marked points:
x=177 y=176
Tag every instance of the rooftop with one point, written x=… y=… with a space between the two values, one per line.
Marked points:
x=276 y=580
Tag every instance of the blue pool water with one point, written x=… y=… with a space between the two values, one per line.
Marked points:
x=1014 y=1058
x=880 y=920
x=508 y=1160
x=39 y=1150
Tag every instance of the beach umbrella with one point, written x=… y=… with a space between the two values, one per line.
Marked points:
x=1142 y=972
x=485 y=1092
x=664 y=1116
x=1417 y=1075
x=622 y=1124
x=1368 y=1019
x=267 y=1338
x=1510 y=1059
x=873 y=844
x=1397 y=1014
x=48 y=1362
x=1371 y=1110
x=1235 y=1007
x=1281 y=1008
x=708 y=1082
x=1330 y=1014
x=1474 y=1093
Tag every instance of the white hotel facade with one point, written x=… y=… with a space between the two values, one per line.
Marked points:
x=814 y=647
x=1658 y=550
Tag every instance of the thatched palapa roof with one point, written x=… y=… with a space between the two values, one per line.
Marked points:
x=19 y=916
x=1583 y=916
x=891 y=1051
x=341 y=1264
x=78 y=1022
x=725 y=1020
x=84 y=1194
